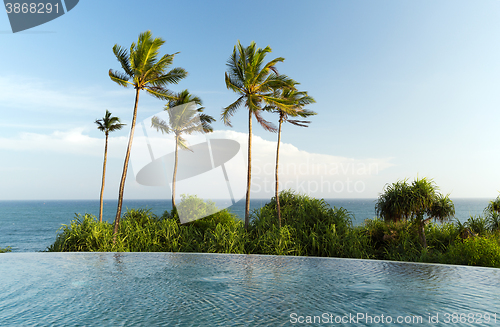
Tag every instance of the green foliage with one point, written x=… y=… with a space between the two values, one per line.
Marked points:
x=142 y=231
x=5 y=250
x=477 y=225
x=393 y=240
x=493 y=219
x=494 y=205
x=403 y=201
x=475 y=251
x=83 y=234
x=492 y=214
x=109 y=123
x=144 y=69
x=310 y=228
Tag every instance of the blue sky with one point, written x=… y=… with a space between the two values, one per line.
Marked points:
x=402 y=88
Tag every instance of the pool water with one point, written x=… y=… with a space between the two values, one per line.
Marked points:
x=188 y=289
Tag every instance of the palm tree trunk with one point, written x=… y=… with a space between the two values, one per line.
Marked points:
x=103 y=176
x=422 y=234
x=249 y=172
x=125 y=166
x=278 y=208
x=175 y=172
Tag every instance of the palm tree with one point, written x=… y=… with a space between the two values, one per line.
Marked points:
x=254 y=81
x=401 y=201
x=107 y=124
x=183 y=119
x=144 y=71
x=298 y=100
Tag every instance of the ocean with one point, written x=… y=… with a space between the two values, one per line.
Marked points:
x=32 y=225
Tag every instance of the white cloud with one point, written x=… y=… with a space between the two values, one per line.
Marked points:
x=73 y=141
x=320 y=175
x=312 y=173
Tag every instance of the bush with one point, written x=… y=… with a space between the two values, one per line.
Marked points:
x=397 y=241
x=477 y=225
x=142 y=231
x=475 y=251
x=84 y=234
x=309 y=227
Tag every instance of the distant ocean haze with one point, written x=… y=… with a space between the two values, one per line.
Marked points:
x=32 y=225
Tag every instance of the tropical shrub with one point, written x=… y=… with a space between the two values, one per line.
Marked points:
x=474 y=251
x=142 y=231
x=309 y=227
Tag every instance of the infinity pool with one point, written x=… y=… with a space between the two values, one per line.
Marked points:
x=181 y=289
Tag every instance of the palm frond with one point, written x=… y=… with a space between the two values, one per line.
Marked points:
x=206 y=120
x=160 y=93
x=119 y=78
x=172 y=77
x=268 y=126
x=109 y=123
x=123 y=58
x=229 y=111
x=234 y=84
x=160 y=125
x=270 y=66
x=182 y=143
x=160 y=67
x=301 y=123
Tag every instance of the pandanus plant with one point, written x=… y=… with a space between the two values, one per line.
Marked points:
x=419 y=201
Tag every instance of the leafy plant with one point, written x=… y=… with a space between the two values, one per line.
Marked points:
x=419 y=201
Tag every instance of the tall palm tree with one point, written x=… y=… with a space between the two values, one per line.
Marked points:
x=299 y=99
x=402 y=201
x=182 y=119
x=106 y=124
x=143 y=70
x=254 y=81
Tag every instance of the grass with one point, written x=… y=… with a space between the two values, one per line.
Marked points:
x=310 y=227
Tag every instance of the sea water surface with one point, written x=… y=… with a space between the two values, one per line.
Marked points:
x=31 y=226
x=189 y=289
